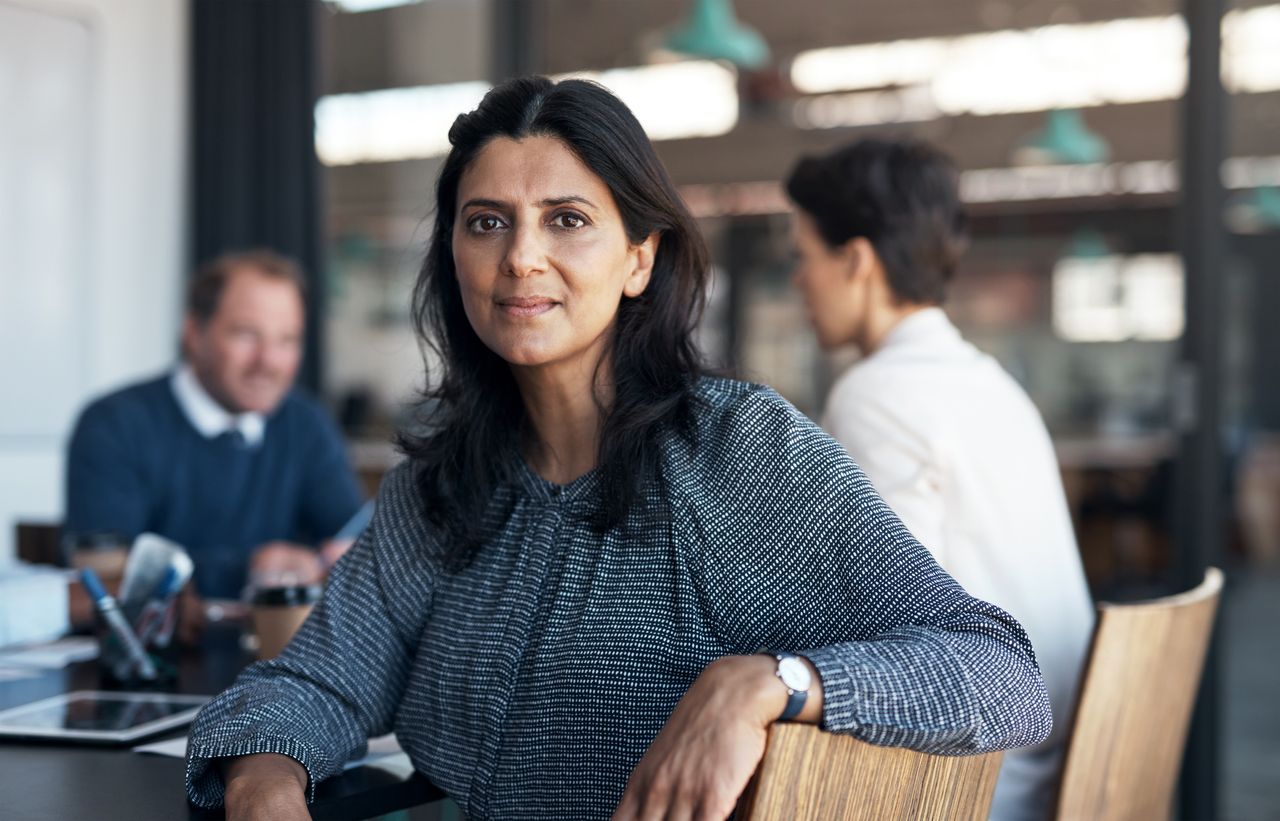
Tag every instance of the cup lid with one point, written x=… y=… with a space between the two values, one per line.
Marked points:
x=97 y=540
x=287 y=595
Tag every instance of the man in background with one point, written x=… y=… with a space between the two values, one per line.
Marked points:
x=222 y=455
x=948 y=438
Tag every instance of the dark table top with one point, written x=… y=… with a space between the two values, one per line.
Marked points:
x=68 y=782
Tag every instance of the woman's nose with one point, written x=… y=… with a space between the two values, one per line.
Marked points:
x=527 y=253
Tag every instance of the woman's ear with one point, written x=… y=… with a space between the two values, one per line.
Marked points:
x=860 y=258
x=643 y=255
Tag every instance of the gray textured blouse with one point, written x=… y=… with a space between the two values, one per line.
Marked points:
x=529 y=684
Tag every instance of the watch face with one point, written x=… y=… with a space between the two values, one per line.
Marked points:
x=794 y=673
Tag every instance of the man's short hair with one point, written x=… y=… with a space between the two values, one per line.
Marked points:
x=901 y=195
x=204 y=291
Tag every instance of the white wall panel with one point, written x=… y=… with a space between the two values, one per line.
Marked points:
x=92 y=218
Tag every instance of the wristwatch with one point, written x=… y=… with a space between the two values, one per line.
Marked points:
x=795 y=674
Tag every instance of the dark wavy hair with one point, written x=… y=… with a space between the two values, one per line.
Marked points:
x=470 y=415
x=902 y=196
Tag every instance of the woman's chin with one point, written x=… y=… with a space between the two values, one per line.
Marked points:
x=528 y=357
x=542 y=350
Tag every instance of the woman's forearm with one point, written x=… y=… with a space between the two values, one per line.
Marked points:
x=265 y=786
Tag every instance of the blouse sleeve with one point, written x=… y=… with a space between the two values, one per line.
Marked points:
x=800 y=554
x=341 y=678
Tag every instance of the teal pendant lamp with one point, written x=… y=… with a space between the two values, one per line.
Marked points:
x=1064 y=140
x=713 y=32
x=1088 y=243
x=1266 y=204
x=1256 y=211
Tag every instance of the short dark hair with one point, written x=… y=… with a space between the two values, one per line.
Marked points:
x=204 y=291
x=473 y=409
x=901 y=195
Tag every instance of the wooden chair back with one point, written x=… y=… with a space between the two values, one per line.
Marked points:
x=808 y=774
x=1136 y=698
x=39 y=543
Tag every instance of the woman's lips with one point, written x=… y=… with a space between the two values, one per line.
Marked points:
x=527 y=305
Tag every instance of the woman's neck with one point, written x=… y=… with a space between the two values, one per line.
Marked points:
x=882 y=321
x=565 y=407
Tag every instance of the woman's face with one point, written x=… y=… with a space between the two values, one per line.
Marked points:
x=542 y=257
x=825 y=276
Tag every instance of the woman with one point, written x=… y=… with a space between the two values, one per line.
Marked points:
x=952 y=443
x=559 y=604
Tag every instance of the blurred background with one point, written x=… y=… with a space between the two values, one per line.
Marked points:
x=1120 y=159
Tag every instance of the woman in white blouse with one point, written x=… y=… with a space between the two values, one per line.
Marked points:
x=947 y=437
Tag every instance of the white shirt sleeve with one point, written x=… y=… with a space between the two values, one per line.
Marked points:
x=903 y=466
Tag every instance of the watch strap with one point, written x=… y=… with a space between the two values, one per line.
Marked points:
x=795 y=703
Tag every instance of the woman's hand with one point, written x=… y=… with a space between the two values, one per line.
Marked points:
x=265 y=786
x=702 y=760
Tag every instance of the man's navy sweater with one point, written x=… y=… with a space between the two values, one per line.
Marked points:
x=136 y=464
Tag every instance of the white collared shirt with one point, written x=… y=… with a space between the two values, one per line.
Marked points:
x=207 y=416
x=957 y=449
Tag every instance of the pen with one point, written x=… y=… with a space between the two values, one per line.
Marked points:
x=116 y=622
x=357 y=523
x=349 y=532
x=151 y=620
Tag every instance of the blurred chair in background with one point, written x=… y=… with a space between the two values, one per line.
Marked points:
x=1135 y=705
x=40 y=543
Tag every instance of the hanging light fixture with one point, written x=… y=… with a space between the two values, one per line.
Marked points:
x=1088 y=243
x=1064 y=140
x=712 y=31
x=1256 y=211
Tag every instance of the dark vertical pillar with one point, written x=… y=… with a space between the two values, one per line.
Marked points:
x=1261 y=257
x=255 y=176
x=1199 y=530
x=740 y=259
x=517 y=38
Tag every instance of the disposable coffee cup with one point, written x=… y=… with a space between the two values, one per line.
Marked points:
x=104 y=552
x=277 y=614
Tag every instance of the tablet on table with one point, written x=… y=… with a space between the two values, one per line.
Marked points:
x=96 y=717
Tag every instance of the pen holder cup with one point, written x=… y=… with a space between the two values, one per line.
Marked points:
x=115 y=665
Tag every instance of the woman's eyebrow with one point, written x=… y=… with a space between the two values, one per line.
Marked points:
x=549 y=202
x=565 y=200
x=479 y=202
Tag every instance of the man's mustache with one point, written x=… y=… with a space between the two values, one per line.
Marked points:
x=271 y=373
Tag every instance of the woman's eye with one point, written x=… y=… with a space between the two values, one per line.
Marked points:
x=485 y=224
x=569 y=221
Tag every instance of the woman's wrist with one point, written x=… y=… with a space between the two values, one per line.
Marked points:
x=752 y=685
x=763 y=694
x=252 y=772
